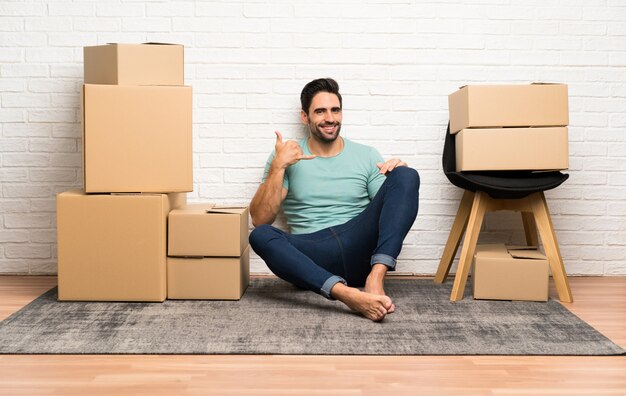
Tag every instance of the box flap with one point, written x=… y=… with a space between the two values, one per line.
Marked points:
x=224 y=209
x=545 y=83
x=521 y=247
x=490 y=250
x=148 y=43
x=193 y=208
x=156 y=43
x=198 y=208
x=497 y=85
x=525 y=252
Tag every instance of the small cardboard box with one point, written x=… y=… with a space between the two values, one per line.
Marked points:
x=137 y=139
x=512 y=149
x=134 y=64
x=111 y=247
x=510 y=273
x=487 y=106
x=177 y=200
x=206 y=230
x=208 y=278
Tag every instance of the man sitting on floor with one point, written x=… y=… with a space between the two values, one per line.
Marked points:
x=348 y=220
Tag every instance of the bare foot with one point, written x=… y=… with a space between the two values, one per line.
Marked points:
x=374 y=284
x=372 y=306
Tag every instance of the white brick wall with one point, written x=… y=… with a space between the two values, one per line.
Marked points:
x=396 y=62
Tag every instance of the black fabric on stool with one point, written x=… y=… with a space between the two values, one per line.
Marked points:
x=498 y=184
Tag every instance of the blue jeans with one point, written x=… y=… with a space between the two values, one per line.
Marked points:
x=345 y=253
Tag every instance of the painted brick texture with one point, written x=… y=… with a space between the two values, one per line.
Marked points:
x=396 y=62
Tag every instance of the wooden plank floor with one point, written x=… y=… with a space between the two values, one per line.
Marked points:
x=599 y=301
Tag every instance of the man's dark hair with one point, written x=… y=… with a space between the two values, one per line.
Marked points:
x=314 y=87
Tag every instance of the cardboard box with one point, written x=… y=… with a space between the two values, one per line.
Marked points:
x=137 y=139
x=177 y=200
x=512 y=149
x=486 y=106
x=134 y=64
x=208 y=278
x=112 y=247
x=510 y=273
x=205 y=230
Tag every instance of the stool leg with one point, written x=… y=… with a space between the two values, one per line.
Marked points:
x=477 y=214
x=454 y=238
x=530 y=229
x=550 y=244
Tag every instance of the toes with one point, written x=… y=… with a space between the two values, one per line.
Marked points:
x=381 y=314
x=387 y=303
x=376 y=313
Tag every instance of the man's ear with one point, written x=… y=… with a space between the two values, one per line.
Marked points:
x=304 y=117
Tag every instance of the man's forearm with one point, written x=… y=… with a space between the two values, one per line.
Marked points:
x=268 y=198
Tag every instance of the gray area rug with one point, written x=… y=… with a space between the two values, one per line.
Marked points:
x=274 y=317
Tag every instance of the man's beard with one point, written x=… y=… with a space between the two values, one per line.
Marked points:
x=320 y=136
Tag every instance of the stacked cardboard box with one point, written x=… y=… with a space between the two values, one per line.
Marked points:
x=208 y=252
x=111 y=247
x=136 y=120
x=510 y=127
x=137 y=148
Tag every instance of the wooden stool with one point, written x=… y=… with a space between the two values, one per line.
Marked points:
x=469 y=219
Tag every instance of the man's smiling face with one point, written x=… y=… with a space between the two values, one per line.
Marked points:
x=324 y=117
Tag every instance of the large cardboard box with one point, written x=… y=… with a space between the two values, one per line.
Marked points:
x=208 y=278
x=205 y=230
x=134 y=64
x=510 y=273
x=112 y=247
x=512 y=149
x=485 y=106
x=137 y=139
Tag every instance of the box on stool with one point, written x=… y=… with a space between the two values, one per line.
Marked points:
x=488 y=106
x=208 y=278
x=512 y=149
x=510 y=273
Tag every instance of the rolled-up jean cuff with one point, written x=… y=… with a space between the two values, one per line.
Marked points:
x=328 y=285
x=384 y=259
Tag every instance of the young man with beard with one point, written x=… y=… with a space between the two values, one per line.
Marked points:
x=348 y=210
